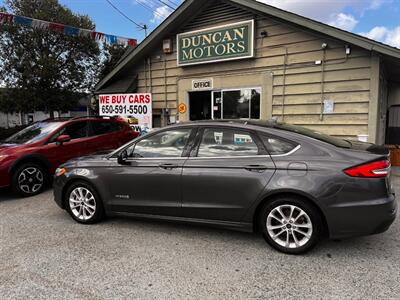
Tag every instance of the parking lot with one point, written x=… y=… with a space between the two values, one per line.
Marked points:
x=45 y=254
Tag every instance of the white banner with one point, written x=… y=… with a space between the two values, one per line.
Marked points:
x=136 y=107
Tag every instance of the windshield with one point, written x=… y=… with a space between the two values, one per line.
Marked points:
x=315 y=134
x=33 y=133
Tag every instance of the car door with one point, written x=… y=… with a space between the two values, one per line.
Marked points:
x=149 y=181
x=57 y=153
x=226 y=172
x=104 y=135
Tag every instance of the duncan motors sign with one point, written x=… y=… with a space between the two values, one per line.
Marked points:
x=136 y=107
x=228 y=42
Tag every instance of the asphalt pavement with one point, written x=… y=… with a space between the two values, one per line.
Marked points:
x=44 y=254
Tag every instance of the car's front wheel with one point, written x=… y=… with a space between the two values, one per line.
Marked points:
x=290 y=225
x=29 y=179
x=83 y=203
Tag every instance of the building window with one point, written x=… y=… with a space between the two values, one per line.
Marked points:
x=237 y=104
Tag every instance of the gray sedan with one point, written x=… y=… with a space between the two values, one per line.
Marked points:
x=292 y=184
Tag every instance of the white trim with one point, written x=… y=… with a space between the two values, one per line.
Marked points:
x=250 y=156
x=157 y=158
x=287 y=154
x=217 y=157
x=251 y=40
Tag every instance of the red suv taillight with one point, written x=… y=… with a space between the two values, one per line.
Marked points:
x=375 y=169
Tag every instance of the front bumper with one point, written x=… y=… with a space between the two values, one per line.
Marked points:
x=362 y=218
x=4 y=176
x=58 y=185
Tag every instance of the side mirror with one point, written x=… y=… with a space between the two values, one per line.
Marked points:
x=65 y=138
x=123 y=157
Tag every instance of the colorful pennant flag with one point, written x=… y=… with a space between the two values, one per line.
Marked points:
x=65 y=29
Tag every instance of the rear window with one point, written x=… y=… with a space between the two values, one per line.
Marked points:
x=277 y=146
x=99 y=128
x=315 y=135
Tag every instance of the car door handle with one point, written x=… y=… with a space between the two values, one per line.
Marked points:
x=256 y=168
x=168 y=166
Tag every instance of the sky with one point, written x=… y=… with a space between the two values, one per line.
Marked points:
x=376 y=19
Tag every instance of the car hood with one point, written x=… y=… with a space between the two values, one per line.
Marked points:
x=5 y=147
x=85 y=160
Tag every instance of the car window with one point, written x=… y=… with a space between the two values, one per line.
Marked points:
x=99 y=128
x=164 y=144
x=33 y=133
x=75 y=131
x=277 y=146
x=226 y=142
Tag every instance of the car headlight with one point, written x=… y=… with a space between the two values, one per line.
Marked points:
x=60 y=172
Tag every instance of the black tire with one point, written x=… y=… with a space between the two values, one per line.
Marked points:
x=29 y=179
x=91 y=206
x=300 y=236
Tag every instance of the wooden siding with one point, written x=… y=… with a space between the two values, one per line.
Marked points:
x=296 y=89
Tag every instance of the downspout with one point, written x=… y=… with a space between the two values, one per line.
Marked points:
x=145 y=75
x=150 y=75
x=284 y=83
x=321 y=116
x=165 y=112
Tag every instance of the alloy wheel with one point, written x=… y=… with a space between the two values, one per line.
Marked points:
x=82 y=203
x=289 y=226
x=30 y=180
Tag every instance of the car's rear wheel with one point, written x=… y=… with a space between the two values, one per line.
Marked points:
x=29 y=179
x=291 y=225
x=83 y=203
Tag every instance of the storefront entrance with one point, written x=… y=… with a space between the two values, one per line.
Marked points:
x=225 y=104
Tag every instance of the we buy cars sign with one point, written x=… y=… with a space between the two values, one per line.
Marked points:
x=137 y=106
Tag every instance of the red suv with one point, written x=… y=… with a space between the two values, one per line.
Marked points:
x=30 y=157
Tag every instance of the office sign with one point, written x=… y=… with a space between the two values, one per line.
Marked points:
x=222 y=43
x=202 y=84
x=136 y=107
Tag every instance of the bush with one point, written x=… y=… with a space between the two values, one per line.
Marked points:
x=6 y=132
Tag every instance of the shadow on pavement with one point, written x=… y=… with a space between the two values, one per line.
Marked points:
x=6 y=194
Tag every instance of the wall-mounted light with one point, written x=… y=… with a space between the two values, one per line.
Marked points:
x=348 y=50
x=324 y=45
x=167 y=46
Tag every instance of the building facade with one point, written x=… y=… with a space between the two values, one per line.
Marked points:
x=229 y=59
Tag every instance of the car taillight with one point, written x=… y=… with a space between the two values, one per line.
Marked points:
x=375 y=169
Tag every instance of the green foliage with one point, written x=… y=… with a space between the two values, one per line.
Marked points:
x=112 y=55
x=42 y=69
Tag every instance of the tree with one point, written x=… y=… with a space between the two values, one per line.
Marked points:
x=112 y=55
x=43 y=69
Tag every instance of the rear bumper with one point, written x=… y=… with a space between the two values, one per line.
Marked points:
x=361 y=218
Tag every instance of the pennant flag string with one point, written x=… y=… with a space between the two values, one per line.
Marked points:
x=65 y=29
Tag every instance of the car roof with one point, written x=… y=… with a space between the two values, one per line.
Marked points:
x=84 y=118
x=240 y=123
